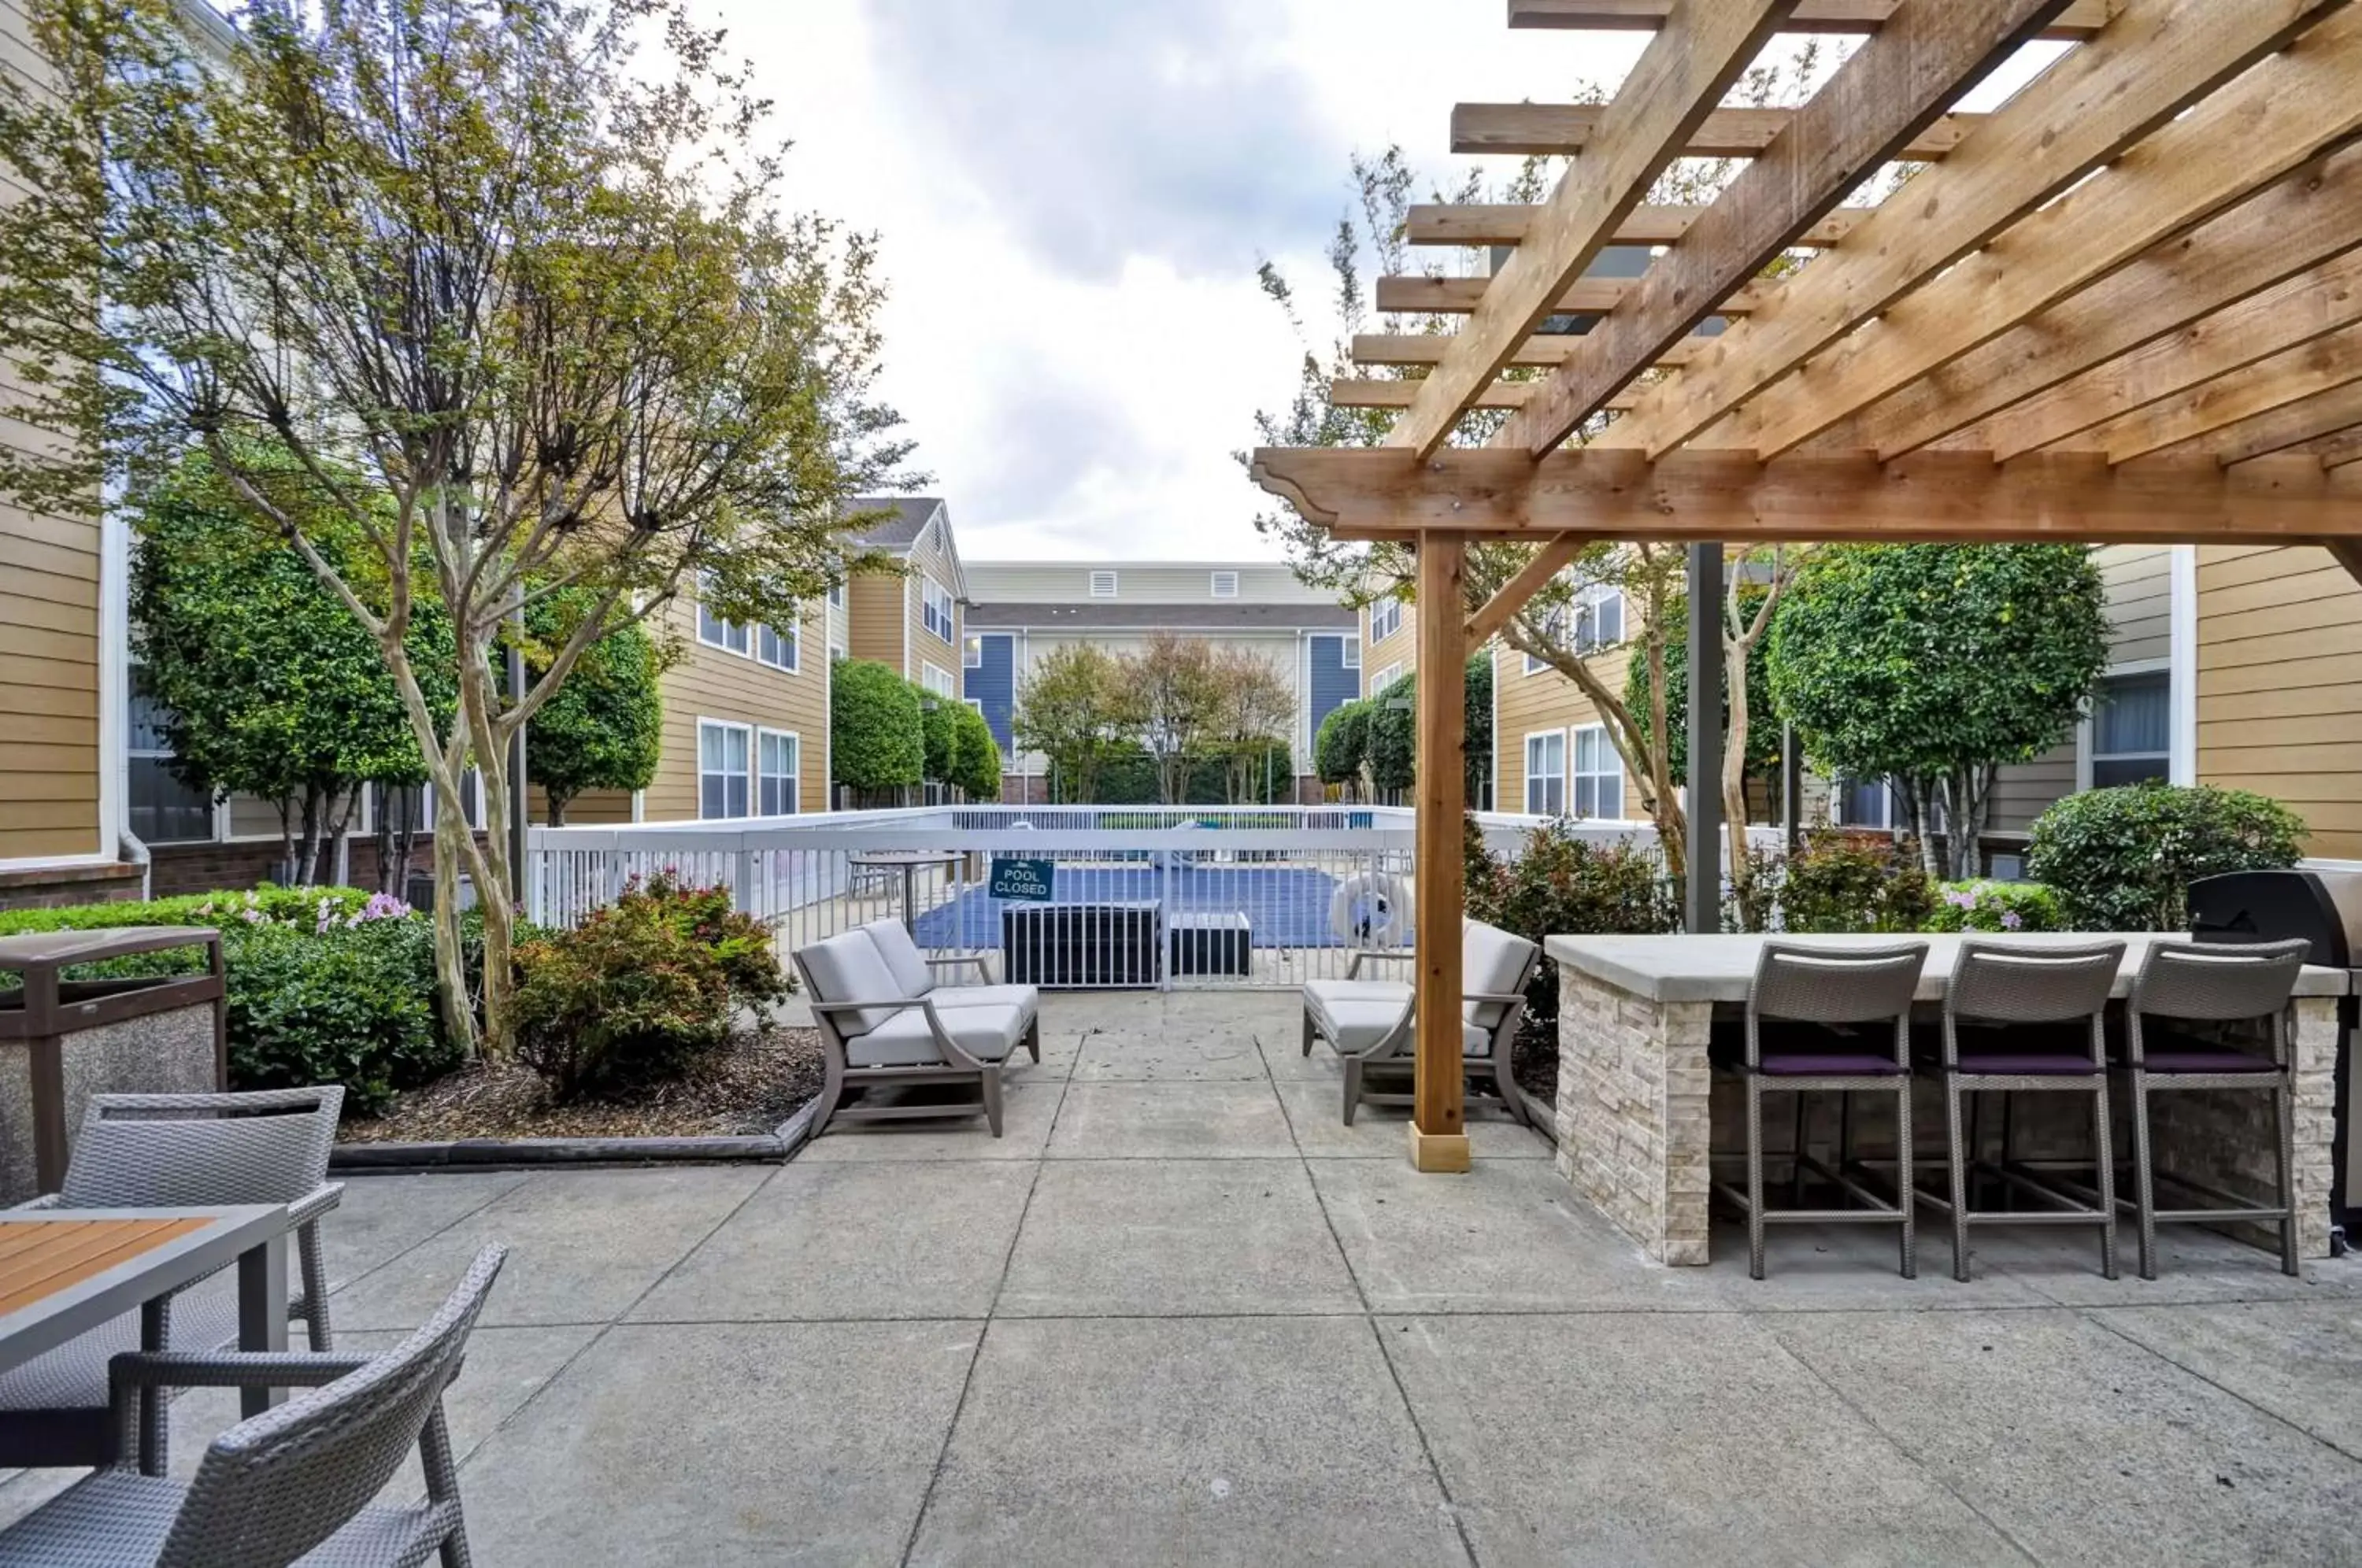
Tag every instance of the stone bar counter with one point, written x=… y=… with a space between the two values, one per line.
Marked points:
x=1638 y=1119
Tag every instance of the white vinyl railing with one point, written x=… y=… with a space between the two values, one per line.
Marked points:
x=1140 y=896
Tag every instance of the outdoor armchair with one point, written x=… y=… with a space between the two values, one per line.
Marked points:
x=1369 y=1023
x=876 y=1035
x=174 y=1151
x=914 y=972
x=297 y=1483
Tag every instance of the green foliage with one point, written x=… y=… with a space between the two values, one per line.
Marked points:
x=1935 y=665
x=325 y=985
x=1997 y=906
x=876 y=737
x=1853 y=881
x=1479 y=752
x=1074 y=710
x=1342 y=745
x=1394 y=734
x=2123 y=859
x=642 y=987
x=604 y=729
x=938 y=732
x=976 y=760
x=1559 y=883
x=1763 y=723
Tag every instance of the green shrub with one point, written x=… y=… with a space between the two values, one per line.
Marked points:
x=1854 y=881
x=296 y=905
x=877 y=733
x=2123 y=859
x=641 y=988
x=1997 y=906
x=1562 y=884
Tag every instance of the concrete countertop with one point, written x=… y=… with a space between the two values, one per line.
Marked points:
x=1720 y=968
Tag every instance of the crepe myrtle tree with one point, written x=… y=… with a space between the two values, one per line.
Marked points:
x=1934 y=665
x=519 y=296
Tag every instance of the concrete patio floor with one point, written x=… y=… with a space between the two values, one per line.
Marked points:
x=1179 y=1314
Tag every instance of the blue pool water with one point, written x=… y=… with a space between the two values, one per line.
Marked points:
x=1285 y=906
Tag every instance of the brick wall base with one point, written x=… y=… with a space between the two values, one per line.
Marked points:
x=54 y=887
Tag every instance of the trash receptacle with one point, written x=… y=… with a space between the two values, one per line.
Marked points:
x=63 y=1040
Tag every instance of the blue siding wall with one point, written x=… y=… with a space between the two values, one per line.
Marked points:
x=993 y=685
x=1334 y=685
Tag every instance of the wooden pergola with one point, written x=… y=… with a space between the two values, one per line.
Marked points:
x=2125 y=305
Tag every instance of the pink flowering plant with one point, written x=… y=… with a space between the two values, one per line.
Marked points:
x=1999 y=907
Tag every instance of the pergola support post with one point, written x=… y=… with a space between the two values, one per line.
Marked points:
x=1701 y=899
x=1439 y=1133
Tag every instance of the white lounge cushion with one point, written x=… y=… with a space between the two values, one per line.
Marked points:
x=848 y=968
x=1354 y=1015
x=1475 y=1040
x=913 y=977
x=1025 y=998
x=1491 y=960
x=988 y=1034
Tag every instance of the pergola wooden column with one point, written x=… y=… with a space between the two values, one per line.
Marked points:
x=2125 y=305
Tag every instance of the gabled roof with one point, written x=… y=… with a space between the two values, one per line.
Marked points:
x=912 y=514
x=1149 y=617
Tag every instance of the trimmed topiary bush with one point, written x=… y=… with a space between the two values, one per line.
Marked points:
x=876 y=735
x=2123 y=859
x=1997 y=906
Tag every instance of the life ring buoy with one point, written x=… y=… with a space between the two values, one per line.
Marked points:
x=1370 y=910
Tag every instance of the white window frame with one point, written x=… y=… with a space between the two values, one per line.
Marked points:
x=1385 y=618
x=1536 y=774
x=937 y=612
x=2087 y=730
x=972 y=651
x=1839 y=788
x=745 y=778
x=793 y=776
x=1350 y=657
x=1605 y=774
x=785 y=650
x=730 y=636
x=1223 y=584
x=1385 y=677
x=836 y=595
x=1103 y=585
x=938 y=679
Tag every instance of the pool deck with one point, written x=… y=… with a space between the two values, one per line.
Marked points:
x=1179 y=1314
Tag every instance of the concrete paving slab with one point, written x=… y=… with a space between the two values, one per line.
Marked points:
x=1209 y=1441
x=1138 y=1057
x=1815 y=1269
x=723 y=1444
x=1283 y=1058
x=854 y=1239
x=382 y=1217
x=2080 y=1444
x=1177 y=1238
x=583 y=1246
x=2193 y=1265
x=1026 y=1112
x=1179 y=1121
x=1650 y=1438
x=1316 y=1111
x=2302 y=1361
x=1508 y=1236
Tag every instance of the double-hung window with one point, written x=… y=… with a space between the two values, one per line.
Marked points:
x=972 y=653
x=1350 y=657
x=781 y=647
x=1598 y=618
x=2132 y=729
x=732 y=636
x=935 y=608
x=724 y=765
x=940 y=682
x=1598 y=775
x=1385 y=618
x=1546 y=774
x=778 y=767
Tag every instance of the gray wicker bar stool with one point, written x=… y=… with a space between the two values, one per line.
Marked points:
x=2027 y=1020
x=2206 y=983
x=296 y=1484
x=1837 y=1019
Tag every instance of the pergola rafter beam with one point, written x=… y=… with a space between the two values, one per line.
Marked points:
x=2278 y=114
x=2290 y=424
x=2079 y=21
x=2156 y=59
x=1563 y=130
x=2335 y=449
x=1483 y=223
x=1681 y=75
x=1541 y=351
x=1923 y=58
x=1583 y=296
x=2292 y=375
x=1697 y=494
x=1352 y=391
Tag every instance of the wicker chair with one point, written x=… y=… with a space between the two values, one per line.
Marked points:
x=172 y=1151
x=2213 y=984
x=2025 y=1019
x=1801 y=1010
x=294 y=1484
x=1369 y=1023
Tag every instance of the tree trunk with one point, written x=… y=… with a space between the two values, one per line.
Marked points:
x=557 y=806
x=287 y=838
x=450 y=962
x=307 y=866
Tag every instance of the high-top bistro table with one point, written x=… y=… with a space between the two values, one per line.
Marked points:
x=66 y=1271
x=1634 y=1115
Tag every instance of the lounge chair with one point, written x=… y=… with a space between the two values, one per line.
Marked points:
x=297 y=1483
x=914 y=972
x=1369 y=1023
x=879 y=1033
x=174 y=1151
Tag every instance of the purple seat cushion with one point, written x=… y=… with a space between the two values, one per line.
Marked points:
x=2027 y=1063
x=2217 y=1059
x=1827 y=1063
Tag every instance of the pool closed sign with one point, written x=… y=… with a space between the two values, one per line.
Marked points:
x=1028 y=880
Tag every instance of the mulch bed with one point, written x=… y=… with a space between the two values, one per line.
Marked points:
x=1533 y=1061
x=750 y=1086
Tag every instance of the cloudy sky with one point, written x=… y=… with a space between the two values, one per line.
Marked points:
x=1073 y=197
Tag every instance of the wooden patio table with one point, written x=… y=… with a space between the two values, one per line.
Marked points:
x=64 y=1272
x=1634 y=1111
